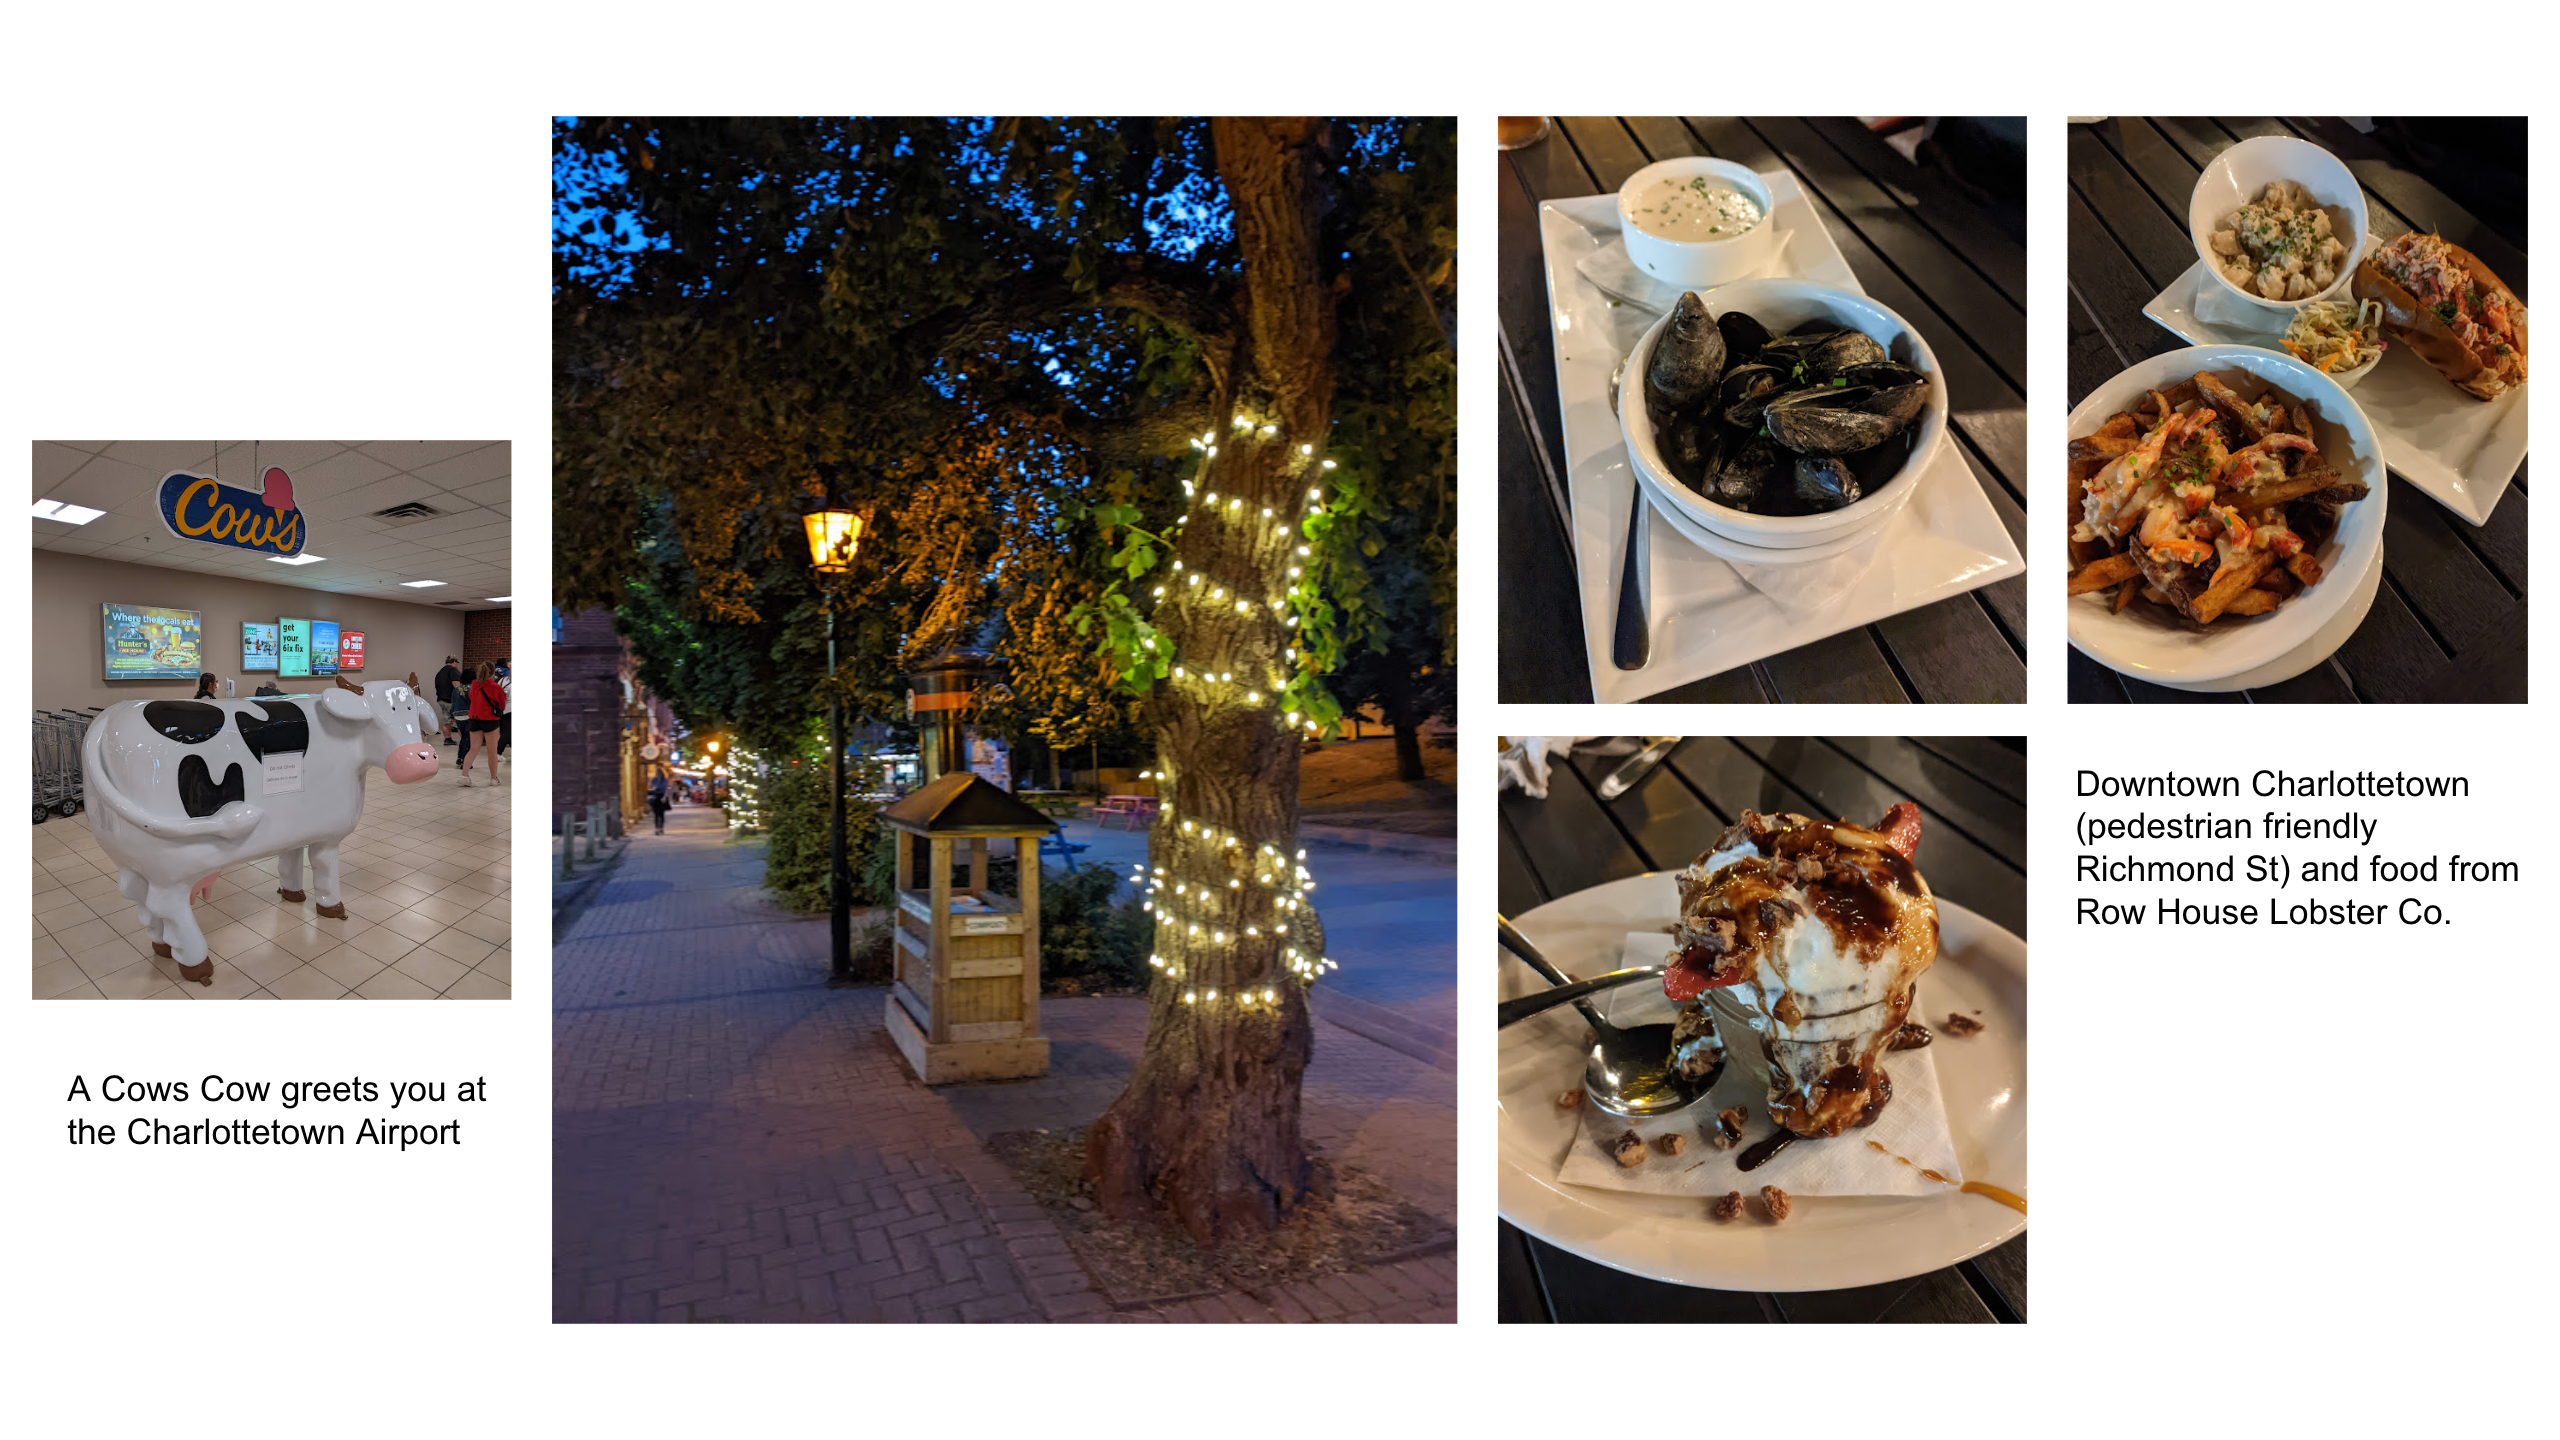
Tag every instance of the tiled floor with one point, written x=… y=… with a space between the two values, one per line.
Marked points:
x=424 y=882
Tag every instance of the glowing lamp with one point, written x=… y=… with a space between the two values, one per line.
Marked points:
x=833 y=537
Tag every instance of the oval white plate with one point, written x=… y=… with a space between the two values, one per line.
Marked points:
x=1829 y=1242
x=2144 y=640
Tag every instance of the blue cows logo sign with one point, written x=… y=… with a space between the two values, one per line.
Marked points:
x=197 y=507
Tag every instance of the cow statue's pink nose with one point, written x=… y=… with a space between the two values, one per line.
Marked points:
x=410 y=764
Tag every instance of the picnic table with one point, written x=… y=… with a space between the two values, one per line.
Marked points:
x=2449 y=622
x=1972 y=795
x=1919 y=247
x=1136 y=810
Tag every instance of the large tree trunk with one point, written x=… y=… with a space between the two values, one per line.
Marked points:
x=1207 y=1131
x=1397 y=692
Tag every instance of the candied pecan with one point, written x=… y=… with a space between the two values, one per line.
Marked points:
x=1777 y=1201
x=1962 y=1024
x=1911 y=1036
x=1730 y=1207
x=1808 y=868
x=1671 y=1144
x=1728 y=1129
x=1570 y=1100
x=1629 y=1148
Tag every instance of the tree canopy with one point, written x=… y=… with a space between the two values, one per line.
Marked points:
x=998 y=338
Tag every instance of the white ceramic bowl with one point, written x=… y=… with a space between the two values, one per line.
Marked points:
x=1735 y=552
x=1782 y=305
x=2240 y=174
x=1696 y=263
x=2152 y=644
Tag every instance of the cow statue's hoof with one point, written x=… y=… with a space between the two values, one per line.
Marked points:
x=334 y=912
x=161 y=950
x=291 y=896
x=200 y=972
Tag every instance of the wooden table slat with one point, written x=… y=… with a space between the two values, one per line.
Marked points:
x=2160 y=247
x=1940 y=1297
x=1996 y=762
x=1847 y=668
x=1566 y=837
x=1585 y=1293
x=1539 y=601
x=1941 y=788
x=2004 y=1267
x=1934 y=201
x=1738 y=686
x=1521 y=1300
x=1609 y=154
x=2091 y=683
x=1521 y=293
x=1953 y=653
x=2391 y=656
x=2441 y=575
x=1516 y=887
x=1668 y=823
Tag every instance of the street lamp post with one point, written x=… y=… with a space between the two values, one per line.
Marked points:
x=833 y=536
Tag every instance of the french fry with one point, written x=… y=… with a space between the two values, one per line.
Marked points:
x=2234 y=577
x=2305 y=568
x=2114 y=570
x=2125 y=593
x=2154 y=595
x=2254 y=602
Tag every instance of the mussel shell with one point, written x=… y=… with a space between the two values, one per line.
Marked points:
x=1823 y=483
x=1900 y=403
x=1821 y=354
x=1828 y=420
x=1745 y=390
x=1689 y=357
x=1743 y=335
x=1884 y=375
x=1692 y=449
x=1746 y=474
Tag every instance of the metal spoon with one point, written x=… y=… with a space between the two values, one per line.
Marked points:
x=1632 y=645
x=1524 y=1006
x=1628 y=1070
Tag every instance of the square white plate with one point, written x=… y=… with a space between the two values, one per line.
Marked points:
x=1706 y=619
x=2459 y=450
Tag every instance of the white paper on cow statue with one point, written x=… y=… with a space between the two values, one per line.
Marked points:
x=179 y=789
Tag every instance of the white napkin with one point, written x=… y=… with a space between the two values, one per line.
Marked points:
x=1913 y=1127
x=1620 y=278
x=1812 y=588
x=1525 y=758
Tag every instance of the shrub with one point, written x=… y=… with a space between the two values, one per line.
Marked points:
x=795 y=813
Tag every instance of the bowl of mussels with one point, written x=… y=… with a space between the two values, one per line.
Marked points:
x=1781 y=414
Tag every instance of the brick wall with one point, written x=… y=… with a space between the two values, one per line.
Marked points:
x=486 y=635
x=589 y=664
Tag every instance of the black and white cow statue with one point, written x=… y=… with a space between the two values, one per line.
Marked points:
x=179 y=789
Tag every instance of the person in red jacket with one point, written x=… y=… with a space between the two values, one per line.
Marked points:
x=480 y=735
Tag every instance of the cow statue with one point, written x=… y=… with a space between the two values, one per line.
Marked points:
x=179 y=789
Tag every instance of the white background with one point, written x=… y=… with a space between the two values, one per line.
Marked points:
x=2282 y=1187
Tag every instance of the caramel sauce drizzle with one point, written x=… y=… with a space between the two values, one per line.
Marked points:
x=1969 y=1187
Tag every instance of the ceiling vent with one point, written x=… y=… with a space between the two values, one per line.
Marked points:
x=409 y=514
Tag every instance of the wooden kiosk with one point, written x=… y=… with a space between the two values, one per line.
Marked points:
x=966 y=1005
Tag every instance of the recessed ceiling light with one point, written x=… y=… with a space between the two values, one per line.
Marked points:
x=418 y=584
x=498 y=599
x=297 y=559
x=66 y=512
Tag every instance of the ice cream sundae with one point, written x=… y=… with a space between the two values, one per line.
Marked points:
x=1808 y=935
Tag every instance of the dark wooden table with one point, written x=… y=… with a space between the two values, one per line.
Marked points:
x=2449 y=623
x=1923 y=250
x=1972 y=794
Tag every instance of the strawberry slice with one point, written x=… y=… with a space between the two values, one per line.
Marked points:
x=1901 y=829
x=1694 y=972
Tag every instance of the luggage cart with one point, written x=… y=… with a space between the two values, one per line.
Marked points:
x=58 y=783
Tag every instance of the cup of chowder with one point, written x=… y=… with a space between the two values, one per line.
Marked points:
x=1697 y=221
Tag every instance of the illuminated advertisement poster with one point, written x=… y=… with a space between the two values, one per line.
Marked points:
x=351 y=650
x=257 y=646
x=324 y=647
x=147 y=643
x=293 y=647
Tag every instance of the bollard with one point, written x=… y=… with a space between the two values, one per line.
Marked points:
x=568 y=845
x=595 y=829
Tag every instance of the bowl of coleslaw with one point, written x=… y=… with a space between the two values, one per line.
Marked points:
x=2340 y=338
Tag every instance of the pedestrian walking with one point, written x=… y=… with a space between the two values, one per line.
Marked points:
x=449 y=694
x=506 y=713
x=659 y=801
x=484 y=702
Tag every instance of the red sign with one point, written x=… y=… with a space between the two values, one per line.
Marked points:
x=350 y=649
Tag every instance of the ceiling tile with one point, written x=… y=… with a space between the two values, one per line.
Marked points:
x=483 y=466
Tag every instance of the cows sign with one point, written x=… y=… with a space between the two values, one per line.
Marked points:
x=198 y=507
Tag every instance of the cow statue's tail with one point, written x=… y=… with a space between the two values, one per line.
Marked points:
x=231 y=821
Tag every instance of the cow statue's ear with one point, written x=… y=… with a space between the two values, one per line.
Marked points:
x=346 y=684
x=413 y=679
x=344 y=704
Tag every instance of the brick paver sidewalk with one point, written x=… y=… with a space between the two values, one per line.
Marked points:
x=733 y=1141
